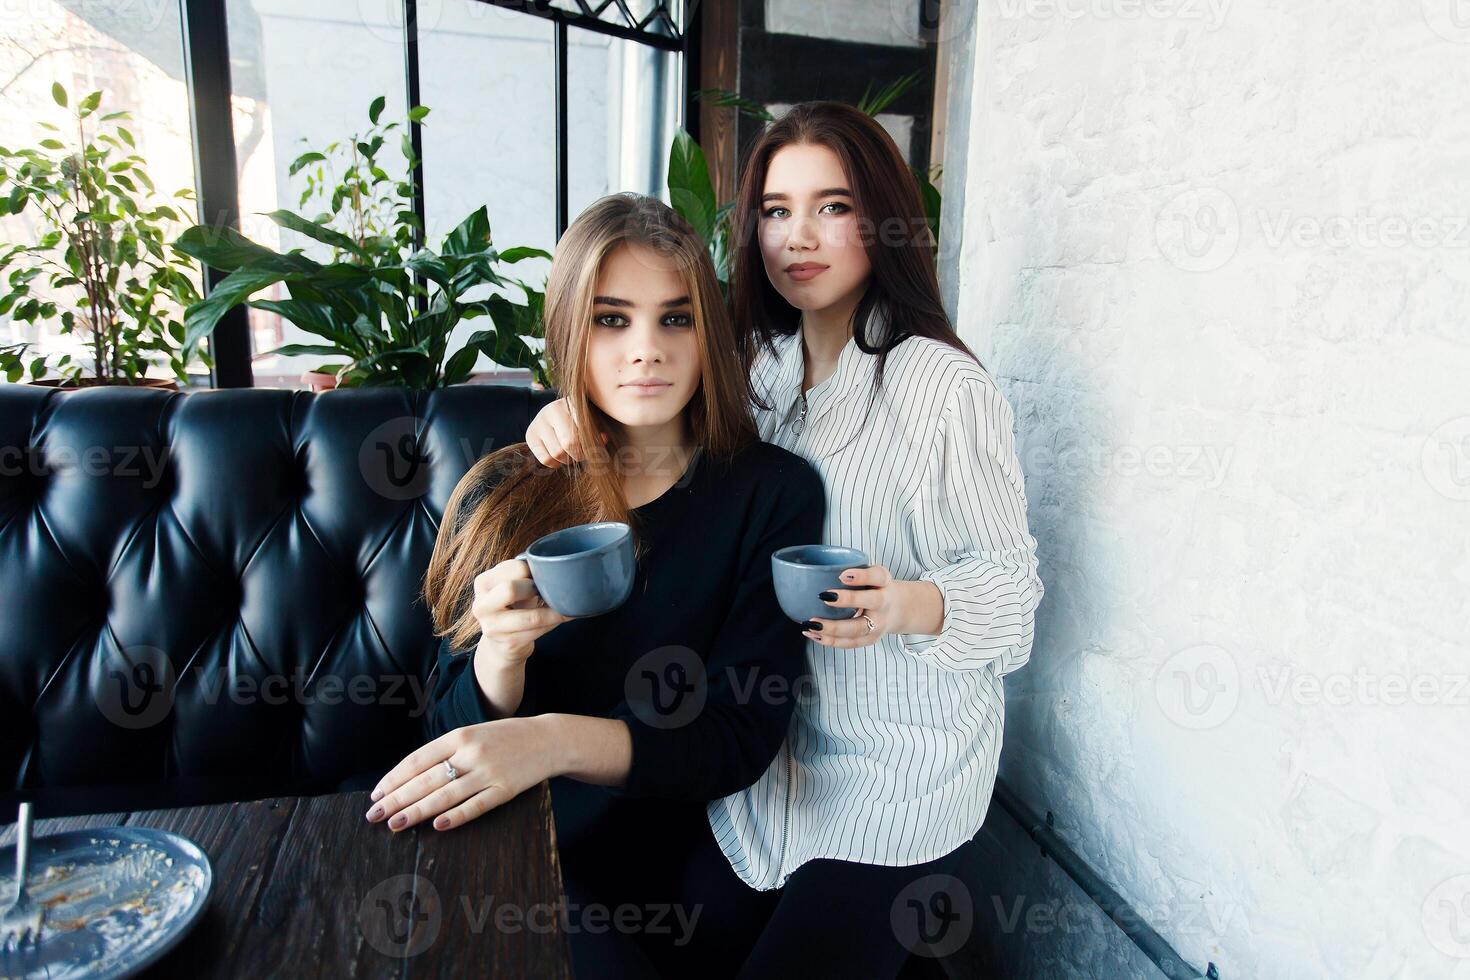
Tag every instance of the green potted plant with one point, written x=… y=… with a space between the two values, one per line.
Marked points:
x=383 y=310
x=104 y=265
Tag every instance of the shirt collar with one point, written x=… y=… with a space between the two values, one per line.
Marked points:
x=854 y=367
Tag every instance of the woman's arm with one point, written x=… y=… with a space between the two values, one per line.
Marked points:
x=511 y=617
x=969 y=523
x=592 y=750
x=494 y=762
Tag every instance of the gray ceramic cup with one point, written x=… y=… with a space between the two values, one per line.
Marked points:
x=803 y=571
x=585 y=570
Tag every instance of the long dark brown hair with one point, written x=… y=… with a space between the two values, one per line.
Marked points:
x=507 y=500
x=903 y=283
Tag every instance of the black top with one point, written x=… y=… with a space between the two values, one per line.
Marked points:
x=689 y=661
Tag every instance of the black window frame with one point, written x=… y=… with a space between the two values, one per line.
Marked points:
x=207 y=76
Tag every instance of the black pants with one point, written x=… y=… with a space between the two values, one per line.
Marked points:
x=650 y=894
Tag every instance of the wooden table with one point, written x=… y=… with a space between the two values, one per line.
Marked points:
x=304 y=886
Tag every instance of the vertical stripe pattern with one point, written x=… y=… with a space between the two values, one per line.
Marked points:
x=892 y=752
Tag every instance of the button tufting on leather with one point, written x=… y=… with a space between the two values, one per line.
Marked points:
x=209 y=550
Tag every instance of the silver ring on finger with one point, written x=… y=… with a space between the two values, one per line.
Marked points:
x=871 y=625
x=450 y=771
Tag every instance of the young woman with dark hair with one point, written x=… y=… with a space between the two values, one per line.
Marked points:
x=889 y=765
x=635 y=327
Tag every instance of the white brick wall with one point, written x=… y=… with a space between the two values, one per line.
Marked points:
x=1217 y=253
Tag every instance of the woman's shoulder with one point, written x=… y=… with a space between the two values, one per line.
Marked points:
x=762 y=460
x=926 y=373
x=761 y=468
x=929 y=368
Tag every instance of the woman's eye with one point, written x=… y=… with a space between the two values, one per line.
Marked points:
x=679 y=320
x=608 y=320
x=839 y=209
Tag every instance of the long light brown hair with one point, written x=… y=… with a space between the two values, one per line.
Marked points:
x=903 y=284
x=507 y=499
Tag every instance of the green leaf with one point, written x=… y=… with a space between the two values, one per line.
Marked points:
x=227 y=250
x=304 y=160
x=295 y=350
x=430 y=266
x=376 y=109
x=472 y=234
x=88 y=105
x=316 y=318
x=724 y=97
x=520 y=252
x=201 y=318
x=311 y=229
x=871 y=104
x=461 y=365
x=418 y=113
x=59 y=94
x=690 y=190
x=932 y=204
x=126 y=136
x=51 y=144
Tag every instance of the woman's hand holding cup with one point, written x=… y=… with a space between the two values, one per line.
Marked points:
x=511 y=613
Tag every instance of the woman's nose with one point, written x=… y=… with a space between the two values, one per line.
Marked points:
x=801 y=234
x=644 y=345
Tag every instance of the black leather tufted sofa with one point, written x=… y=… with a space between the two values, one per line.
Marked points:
x=215 y=595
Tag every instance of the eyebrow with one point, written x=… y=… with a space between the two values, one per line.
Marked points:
x=827 y=192
x=615 y=301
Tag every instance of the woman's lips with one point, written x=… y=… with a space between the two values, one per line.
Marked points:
x=803 y=273
x=645 y=391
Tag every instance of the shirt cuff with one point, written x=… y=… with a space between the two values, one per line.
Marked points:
x=918 y=644
x=987 y=618
x=469 y=707
x=651 y=758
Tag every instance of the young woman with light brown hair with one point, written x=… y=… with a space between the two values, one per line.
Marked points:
x=641 y=716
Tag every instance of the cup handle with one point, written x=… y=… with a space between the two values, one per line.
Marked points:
x=522 y=557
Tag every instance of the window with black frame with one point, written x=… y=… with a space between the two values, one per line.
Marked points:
x=534 y=111
x=53 y=58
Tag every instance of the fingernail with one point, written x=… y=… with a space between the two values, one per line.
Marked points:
x=377 y=795
x=812 y=624
x=397 y=822
x=375 y=814
x=828 y=597
x=441 y=823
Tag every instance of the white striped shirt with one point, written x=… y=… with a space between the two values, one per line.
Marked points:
x=893 y=748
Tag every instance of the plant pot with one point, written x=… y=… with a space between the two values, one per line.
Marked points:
x=319 y=380
x=66 y=384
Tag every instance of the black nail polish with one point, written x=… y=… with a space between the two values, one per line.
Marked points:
x=828 y=596
x=813 y=625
